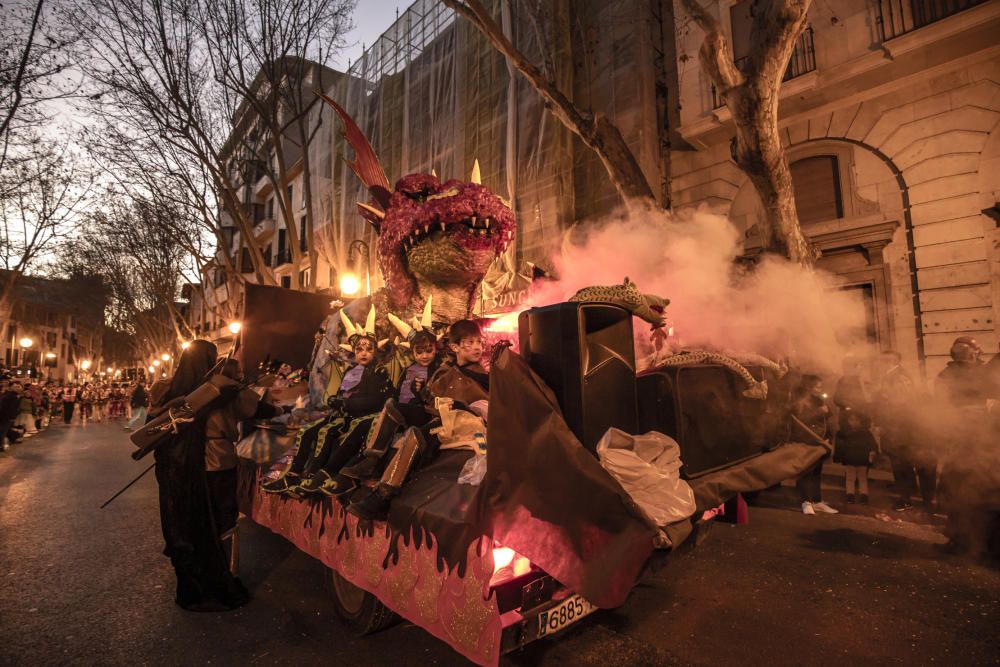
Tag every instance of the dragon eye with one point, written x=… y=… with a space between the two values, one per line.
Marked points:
x=451 y=192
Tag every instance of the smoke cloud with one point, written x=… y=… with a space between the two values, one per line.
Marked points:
x=776 y=308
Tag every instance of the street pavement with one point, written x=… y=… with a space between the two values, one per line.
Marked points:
x=84 y=586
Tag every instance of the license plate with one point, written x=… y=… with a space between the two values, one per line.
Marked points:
x=567 y=612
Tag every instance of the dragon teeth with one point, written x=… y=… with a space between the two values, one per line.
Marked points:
x=488 y=223
x=442 y=226
x=427 y=229
x=474 y=221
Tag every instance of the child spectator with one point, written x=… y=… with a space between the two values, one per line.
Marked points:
x=856 y=448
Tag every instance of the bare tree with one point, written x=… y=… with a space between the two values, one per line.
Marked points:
x=594 y=129
x=149 y=60
x=33 y=53
x=751 y=93
x=49 y=189
x=129 y=246
x=222 y=87
x=267 y=54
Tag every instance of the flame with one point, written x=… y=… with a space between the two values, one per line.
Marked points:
x=507 y=565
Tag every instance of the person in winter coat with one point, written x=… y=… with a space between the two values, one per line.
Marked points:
x=139 y=401
x=968 y=476
x=9 y=405
x=69 y=399
x=856 y=449
x=26 y=413
x=809 y=422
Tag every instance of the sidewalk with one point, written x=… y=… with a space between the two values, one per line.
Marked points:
x=881 y=498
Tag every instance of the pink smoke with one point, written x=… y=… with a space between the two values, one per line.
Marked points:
x=777 y=308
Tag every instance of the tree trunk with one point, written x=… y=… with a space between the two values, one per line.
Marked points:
x=761 y=156
x=752 y=97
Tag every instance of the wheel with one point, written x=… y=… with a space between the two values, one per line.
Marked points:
x=359 y=608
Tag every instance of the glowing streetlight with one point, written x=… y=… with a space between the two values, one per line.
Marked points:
x=185 y=345
x=26 y=342
x=349 y=284
x=156 y=362
x=85 y=364
x=50 y=355
x=234 y=327
x=110 y=370
x=152 y=369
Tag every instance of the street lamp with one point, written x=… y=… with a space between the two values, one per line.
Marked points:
x=85 y=364
x=156 y=362
x=349 y=284
x=50 y=355
x=185 y=345
x=26 y=342
x=235 y=327
x=361 y=248
x=152 y=369
x=165 y=357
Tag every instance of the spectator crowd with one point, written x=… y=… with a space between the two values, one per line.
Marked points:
x=940 y=441
x=28 y=407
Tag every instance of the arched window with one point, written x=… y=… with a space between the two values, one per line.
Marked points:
x=816 y=181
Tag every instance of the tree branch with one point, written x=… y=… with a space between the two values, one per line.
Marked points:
x=594 y=129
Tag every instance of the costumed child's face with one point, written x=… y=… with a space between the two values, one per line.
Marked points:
x=364 y=351
x=469 y=350
x=424 y=354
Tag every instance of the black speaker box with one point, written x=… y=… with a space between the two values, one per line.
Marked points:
x=585 y=354
x=703 y=409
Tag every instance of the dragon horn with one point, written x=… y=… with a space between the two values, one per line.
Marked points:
x=349 y=327
x=402 y=327
x=370 y=322
x=425 y=319
x=382 y=342
x=434 y=173
x=371 y=210
x=476 y=177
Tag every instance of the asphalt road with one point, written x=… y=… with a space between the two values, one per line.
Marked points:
x=84 y=586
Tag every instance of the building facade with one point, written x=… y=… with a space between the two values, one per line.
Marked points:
x=55 y=330
x=890 y=115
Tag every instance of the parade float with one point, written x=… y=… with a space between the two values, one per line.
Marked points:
x=556 y=527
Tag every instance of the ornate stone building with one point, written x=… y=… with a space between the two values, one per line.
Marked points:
x=890 y=113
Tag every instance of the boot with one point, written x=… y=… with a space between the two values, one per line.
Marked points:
x=313 y=484
x=378 y=442
x=339 y=486
x=375 y=506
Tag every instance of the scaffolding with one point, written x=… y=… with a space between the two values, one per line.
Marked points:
x=431 y=93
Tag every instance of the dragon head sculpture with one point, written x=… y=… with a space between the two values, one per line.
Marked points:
x=434 y=239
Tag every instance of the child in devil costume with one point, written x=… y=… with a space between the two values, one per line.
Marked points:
x=465 y=383
x=359 y=392
x=416 y=362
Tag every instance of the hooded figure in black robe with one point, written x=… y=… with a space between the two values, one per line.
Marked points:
x=190 y=528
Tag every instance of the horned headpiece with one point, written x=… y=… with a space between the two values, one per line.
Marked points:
x=356 y=331
x=409 y=331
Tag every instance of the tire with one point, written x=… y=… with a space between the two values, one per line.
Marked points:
x=361 y=610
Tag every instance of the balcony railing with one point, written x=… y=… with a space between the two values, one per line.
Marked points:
x=803 y=61
x=898 y=17
x=282 y=257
